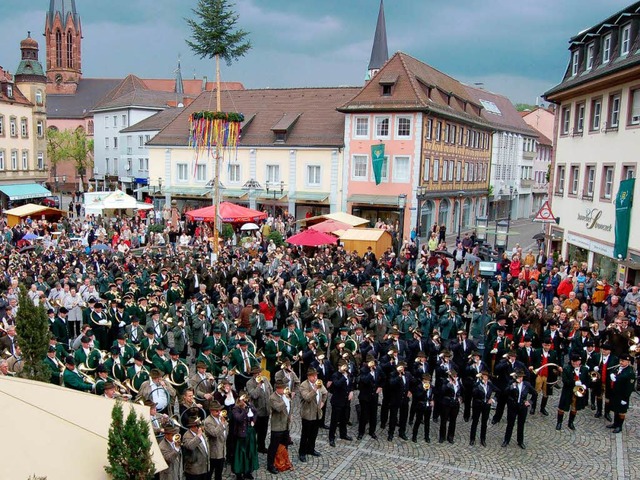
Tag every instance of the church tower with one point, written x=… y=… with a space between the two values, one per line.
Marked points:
x=380 y=51
x=63 y=34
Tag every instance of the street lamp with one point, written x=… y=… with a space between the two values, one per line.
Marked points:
x=252 y=186
x=513 y=194
x=502 y=234
x=460 y=195
x=272 y=187
x=402 y=203
x=482 y=225
x=57 y=181
x=421 y=193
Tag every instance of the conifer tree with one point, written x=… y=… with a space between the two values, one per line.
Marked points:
x=33 y=338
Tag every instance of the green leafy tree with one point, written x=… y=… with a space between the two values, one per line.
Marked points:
x=277 y=238
x=33 y=337
x=129 y=447
x=57 y=148
x=523 y=107
x=81 y=152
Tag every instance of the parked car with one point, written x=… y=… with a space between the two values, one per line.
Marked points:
x=53 y=201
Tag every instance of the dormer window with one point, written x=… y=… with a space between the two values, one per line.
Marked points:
x=575 y=57
x=606 y=49
x=387 y=82
x=591 y=48
x=625 y=39
x=284 y=126
x=10 y=91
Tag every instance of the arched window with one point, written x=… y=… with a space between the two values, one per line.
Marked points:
x=426 y=217
x=466 y=213
x=69 y=49
x=58 y=48
x=443 y=212
x=38 y=97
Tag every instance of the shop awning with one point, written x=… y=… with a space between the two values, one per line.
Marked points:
x=269 y=196
x=186 y=191
x=24 y=191
x=374 y=199
x=310 y=196
x=234 y=193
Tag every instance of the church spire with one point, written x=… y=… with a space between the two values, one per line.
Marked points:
x=179 y=88
x=380 y=51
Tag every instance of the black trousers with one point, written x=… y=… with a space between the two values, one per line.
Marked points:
x=481 y=411
x=308 y=436
x=368 y=415
x=501 y=403
x=384 y=410
x=516 y=412
x=277 y=438
x=339 y=419
x=262 y=425
x=401 y=423
x=448 y=418
x=201 y=476
x=217 y=467
x=423 y=414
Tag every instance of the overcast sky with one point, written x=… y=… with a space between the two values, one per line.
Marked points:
x=515 y=47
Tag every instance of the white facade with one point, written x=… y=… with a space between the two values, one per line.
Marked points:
x=589 y=166
x=121 y=154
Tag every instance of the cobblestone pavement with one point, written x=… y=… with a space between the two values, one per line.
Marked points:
x=589 y=452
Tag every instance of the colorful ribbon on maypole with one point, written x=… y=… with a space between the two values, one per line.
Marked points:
x=211 y=130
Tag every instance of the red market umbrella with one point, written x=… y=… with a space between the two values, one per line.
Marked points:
x=312 y=238
x=330 y=226
x=229 y=213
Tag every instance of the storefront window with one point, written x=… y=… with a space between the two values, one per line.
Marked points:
x=374 y=215
x=605 y=267
x=426 y=217
x=576 y=254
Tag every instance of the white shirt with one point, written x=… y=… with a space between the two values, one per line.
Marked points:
x=287 y=403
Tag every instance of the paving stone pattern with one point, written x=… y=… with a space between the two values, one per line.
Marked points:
x=589 y=452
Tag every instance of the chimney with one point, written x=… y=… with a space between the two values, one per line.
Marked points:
x=204 y=83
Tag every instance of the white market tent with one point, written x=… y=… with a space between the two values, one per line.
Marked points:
x=56 y=432
x=108 y=203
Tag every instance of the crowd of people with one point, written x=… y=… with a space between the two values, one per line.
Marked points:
x=225 y=349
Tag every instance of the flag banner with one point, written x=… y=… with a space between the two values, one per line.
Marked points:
x=624 y=200
x=377 y=160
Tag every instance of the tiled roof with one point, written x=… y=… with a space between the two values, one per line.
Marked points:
x=504 y=116
x=417 y=87
x=18 y=97
x=155 y=122
x=79 y=105
x=319 y=124
x=191 y=86
x=616 y=62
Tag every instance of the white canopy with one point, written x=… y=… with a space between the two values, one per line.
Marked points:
x=101 y=203
x=58 y=433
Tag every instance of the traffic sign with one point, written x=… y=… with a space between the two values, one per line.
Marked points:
x=545 y=215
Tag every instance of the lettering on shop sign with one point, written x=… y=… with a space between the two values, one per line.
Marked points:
x=591 y=217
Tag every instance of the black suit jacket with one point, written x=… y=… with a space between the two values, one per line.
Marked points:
x=340 y=389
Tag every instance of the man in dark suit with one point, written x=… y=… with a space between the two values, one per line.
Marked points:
x=370 y=387
x=451 y=399
x=342 y=394
x=400 y=383
x=483 y=392
x=623 y=385
x=504 y=372
x=520 y=395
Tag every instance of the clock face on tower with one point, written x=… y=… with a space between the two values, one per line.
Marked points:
x=58 y=78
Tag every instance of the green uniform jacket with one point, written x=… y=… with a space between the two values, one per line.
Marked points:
x=74 y=381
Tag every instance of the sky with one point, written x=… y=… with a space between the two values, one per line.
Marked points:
x=517 y=48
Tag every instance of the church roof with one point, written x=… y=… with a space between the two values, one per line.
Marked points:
x=380 y=51
x=65 y=8
x=90 y=91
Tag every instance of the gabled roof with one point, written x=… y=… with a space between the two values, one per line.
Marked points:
x=79 y=105
x=319 y=124
x=542 y=138
x=416 y=87
x=191 y=86
x=500 y=112
x=155 y=122
x=18 y=97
